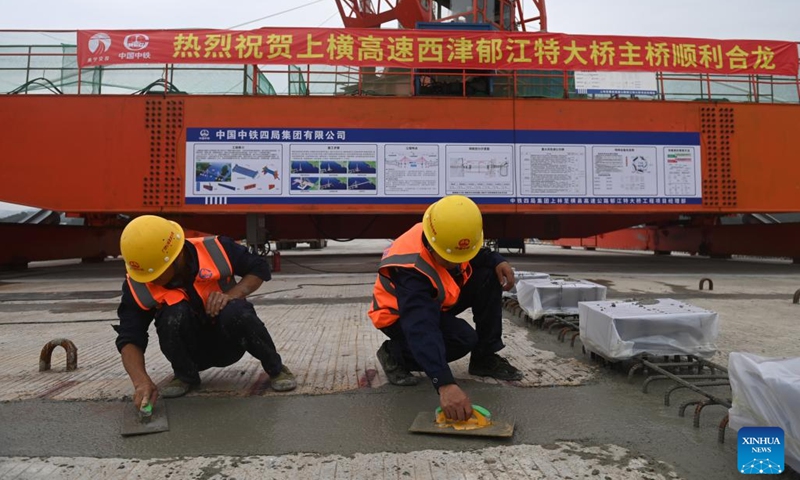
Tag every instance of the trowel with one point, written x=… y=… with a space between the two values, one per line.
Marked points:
x=148 y=418
x=480 y=424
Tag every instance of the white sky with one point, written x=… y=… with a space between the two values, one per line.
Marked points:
x=745 y=19
x=723 y=19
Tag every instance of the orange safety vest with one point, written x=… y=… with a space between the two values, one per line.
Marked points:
x=408 y=251
x=214 y=274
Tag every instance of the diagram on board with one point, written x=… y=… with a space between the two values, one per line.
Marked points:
x=333 y=169
x=330 y=167
x=333 y=183
x=362 y=183
x=411 y=169
x=624 y=170
x=305 y=184
x=212 y=172
x=680 y=171
x=243 y=169
x=480 y=169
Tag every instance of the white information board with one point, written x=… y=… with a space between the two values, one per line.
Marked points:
x=278 y=165
x=553 y=170
x=619 y=83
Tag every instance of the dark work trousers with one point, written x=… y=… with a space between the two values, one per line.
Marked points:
x=194 y=342
x=484 y=294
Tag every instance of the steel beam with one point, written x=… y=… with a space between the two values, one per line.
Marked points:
x=722 y=241
x=23 y=243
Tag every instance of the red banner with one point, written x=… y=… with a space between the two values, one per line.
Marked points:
x=460 y=49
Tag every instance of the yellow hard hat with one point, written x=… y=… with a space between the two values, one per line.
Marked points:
x=149 y=244
x=454 y=228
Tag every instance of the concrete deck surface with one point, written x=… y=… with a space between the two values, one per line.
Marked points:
x=574 y=418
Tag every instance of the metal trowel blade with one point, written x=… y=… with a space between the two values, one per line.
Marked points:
x=133 y=423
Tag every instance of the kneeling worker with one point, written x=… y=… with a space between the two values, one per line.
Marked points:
x=202 y=318
x=431 y=273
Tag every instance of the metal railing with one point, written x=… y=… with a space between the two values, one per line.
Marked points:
x=52 y=68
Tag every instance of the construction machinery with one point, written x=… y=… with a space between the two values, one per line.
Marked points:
x=103 y=154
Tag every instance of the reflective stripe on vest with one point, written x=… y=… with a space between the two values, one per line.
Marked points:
x=226 y=281
x=142 y=295
x=408 y=251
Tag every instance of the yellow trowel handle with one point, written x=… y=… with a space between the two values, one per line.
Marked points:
x=480 y=416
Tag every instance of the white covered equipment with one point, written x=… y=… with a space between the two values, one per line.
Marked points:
x=766 y=393
x=619 y=330
x=540 y=297
x=525 y=275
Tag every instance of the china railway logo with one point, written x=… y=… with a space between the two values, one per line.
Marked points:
x=135 y=265
x=463 y=244
x=136 y=42
x=204 y=273
x=99 y=43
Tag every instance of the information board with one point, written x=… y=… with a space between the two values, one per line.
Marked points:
x=359 y=166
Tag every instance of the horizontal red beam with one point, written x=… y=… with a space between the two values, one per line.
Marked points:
x=23 y=243
x=768 y=240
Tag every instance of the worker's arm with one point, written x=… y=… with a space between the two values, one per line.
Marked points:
x=143 y=386
x=420 y=318
x=502 y=269
x=217 y=300
x=132 y=342
x=253 y=270
x=247 y=285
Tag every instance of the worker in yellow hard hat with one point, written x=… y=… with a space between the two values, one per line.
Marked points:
x=431 y=273
x=188 y=286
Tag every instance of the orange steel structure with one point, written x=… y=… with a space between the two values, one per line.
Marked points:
x=106 y=156
x=503 y=14
x=102 y=155
x=123 y=154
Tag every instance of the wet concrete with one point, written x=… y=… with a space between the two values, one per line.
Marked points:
x=371 y=421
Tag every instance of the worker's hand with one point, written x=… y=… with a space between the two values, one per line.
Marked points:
x=505 y=275
x=145 y=392
x=455 y=402
x=216 y=302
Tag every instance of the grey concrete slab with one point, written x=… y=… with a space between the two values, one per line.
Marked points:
x=365 y=423
x=609 y=412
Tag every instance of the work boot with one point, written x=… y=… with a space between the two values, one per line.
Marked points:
x=396 y=373
x=493 y=365
x=284 y=381
x=175 y=388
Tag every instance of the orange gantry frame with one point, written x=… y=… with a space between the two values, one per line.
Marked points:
x=127 y=154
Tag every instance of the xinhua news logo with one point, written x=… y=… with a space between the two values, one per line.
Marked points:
x=760 y=450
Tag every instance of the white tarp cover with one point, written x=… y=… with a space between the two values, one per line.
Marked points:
x=540 y=297
x=766 y=393
x=525 y=275
x=620 y=330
